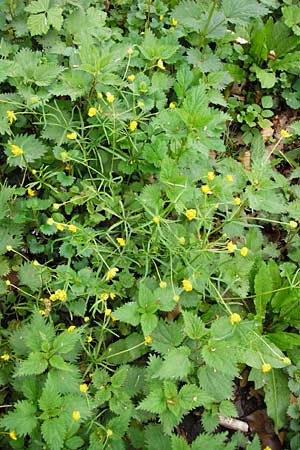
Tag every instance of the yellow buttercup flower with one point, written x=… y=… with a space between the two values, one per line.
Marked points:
x=174 y=22
x=109 y=433
x=187 y=285
x=160 y=64
x=16 y=150
x=60 y=294
x=109 y=97
x=205 y=189
x=104 y=296
x=190 y=214
x=244 y=251
x=293 y=224
x=133 y=125
x=11 y=116
x=237 y=201
x=172 y=105
x=155 y=220
x=59 y=226
x=148 y=340
x=121 y=241
x=76 y=415
x=266 y=367
x=163 y=285
x=12 y=435
x=89 y=339
x=229 y=178
x=231 y=247
x=92 y=112
x=210 y=176
x=111 y=273
x=83 y=388
x=5 y=357
x=71 y=328
x=285 y=134
x=235 y=318
x=31 y=192
x=131 y=77
x=50 y=221
x=72 y=228
x=107 y=312
x=72 y=136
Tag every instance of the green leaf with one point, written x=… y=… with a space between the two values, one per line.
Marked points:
x=128 y=313
x=267 y=79
x=38 y=24
x=176 y=364
x=23 y=418
x=55 y=17
x=148 y=323
x=263 y=286
x=50 y=398
x=277 y=397
x=215 y=442
x=166 y=336
x=58 y=362
x=155 y=438
x=66 y=342
x=227 y=409
x=54 y=431
x=38 y=6
x=221 y=356
x=38 y=332
x=155 y=402
x=194 y=328
x=242 y=12
x=126 y=350
x=210 y=421
x=29 y=275
x=33 y=150
x=191 y=396
x=255 y=444
x=178 y=443
x=35 y=364
x=147 y=300
x=215 y=383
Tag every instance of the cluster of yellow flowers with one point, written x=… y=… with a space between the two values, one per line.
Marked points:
x=231 y=247
x=61 y=226
x=187 y=285
x=59 y=294
x=111 y=273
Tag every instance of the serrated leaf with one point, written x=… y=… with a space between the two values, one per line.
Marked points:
x=155 y=438
x=155 y=402
x=166 y=336
x=38 y=24
x=178 y=443
x=216 y=383
x=126 y=350
x=169 y=421
x=227 y=409
x=176 y=364
x=215 y=442
x=32 y=147
x=35 y=364
x=23 y=418
x=66 y=342
x=29 y=275
x=128 y=313
x=255 y=444
x=54 y=431
x=38 y=6
x=148 y=323
x=58 y=362
x=221 y=357
x=243 y=11
x=210 y=421
x=191 y=396
x=194 y=328
x=55 y=17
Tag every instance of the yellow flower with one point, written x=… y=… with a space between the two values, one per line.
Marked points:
x=174 y=22
x=133 y=125
x=210 y=176
x=86 y=319
x=56 y=206
x=31 y=192
x=187 y=285
x=107 y=312
x=11 y=116
x=111 y=273
x=50 y=221
x=42 y=312
x=235 y=318
x=181 y=240
x=231 y=247
x=9 y=248
x=267 y=448
x=130 y=51
x=266 y=367
x=76 y=415
x=109 y=97
x=99 y=95
x=176 y=298
x=285 y=134
x=112 y=295
x=92 y=112
x=190 y=214
x=148 y=340
x=71 y=328
x=286 y=361
x=12 y=435
x=293 y=224
x=59 y=226
x=244 y=251
x=89 y=339
x=7 y=282
x=131 y=77
x=64 y=155
x=163 y=285
x=161 y=17
x=140 y=104
x=229 y=178
x=83 y=388
x=109 y=433
x=155 y=220
x=237 y=201
x=113 y=318
x=60 y=294
x=5 y=357
x=72 y=228
x=160 y=64
x=121 y=241
x=104 y=296
x=72 y=136
x=35 y=263
x=172 y=105
x=34 y=172
x=205 y=189
x=16 y=150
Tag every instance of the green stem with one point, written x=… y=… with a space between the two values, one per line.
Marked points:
x=204 y=32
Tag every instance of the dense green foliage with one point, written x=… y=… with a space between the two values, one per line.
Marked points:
x=149 y=218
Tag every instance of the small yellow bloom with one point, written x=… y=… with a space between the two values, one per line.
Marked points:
x=31 y=192
x=244 y=251
x=155 y=220
x=59 y=226
x=216 y=205
x=71 y=328
x=286 y=361
x=112 y=296
x=12 y=435
x=64 y=155
x=160 y=64
x=92 y=112
x=182 y=240
x=229 y=178
x=266 y=367
x=148 y=340
x=50 y=221
x=237 y=201
x=86 y=319
x=131 y=77
x=176 y=298
x=172 y=105
x=113 y=318
x=107 y=312
x=235 y=318
x=187 y=285
x=161 y=17
x=5 y=357
x=104 y=296
x=60 y=294
x=76 y=415
x=190 y=214
x=285 y=134
x=293 y=224
x=16 y=150
x=121 y=241
x=72 y=228
x=231 y=247
x=9 y=248
x=11 y=116
x=109 y=97
x=42 y=312
x=56 y=206
x=34 y=172
x=130 y=51
x=163 y=285
x=89 y=339
x=174 y=22
x=133 y=125
x=111 y=273
x=72 y=136
x=267 y=448
x=109 y=433
x=210 y=176
x=205 y=189
x=35 y=263
x=99 y=95
x=83 y=388
x=7 y=282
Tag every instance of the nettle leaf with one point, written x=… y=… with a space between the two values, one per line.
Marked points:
x=38 y=6
x=277 y=397
x=66 y=342
x=155 y=438
x=54 y=431
x=58 y=362
x=221 y=357
x=147 y=300
x=194 y=328
x=33 y=150
x=178 y=443
x=191 y=396
x=242 y=12
x=155 y=402
x=148 y=323
x=37 y=332
x=128 y=313
x=166 y=336
x=55 y=17
x=38 y=24
x=35 y=364
x=23 y=418
x=176 y=364
x=29 y=275
x=215 y=383
x=227 y=409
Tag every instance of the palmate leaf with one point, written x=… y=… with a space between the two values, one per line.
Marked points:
x=23 y=418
